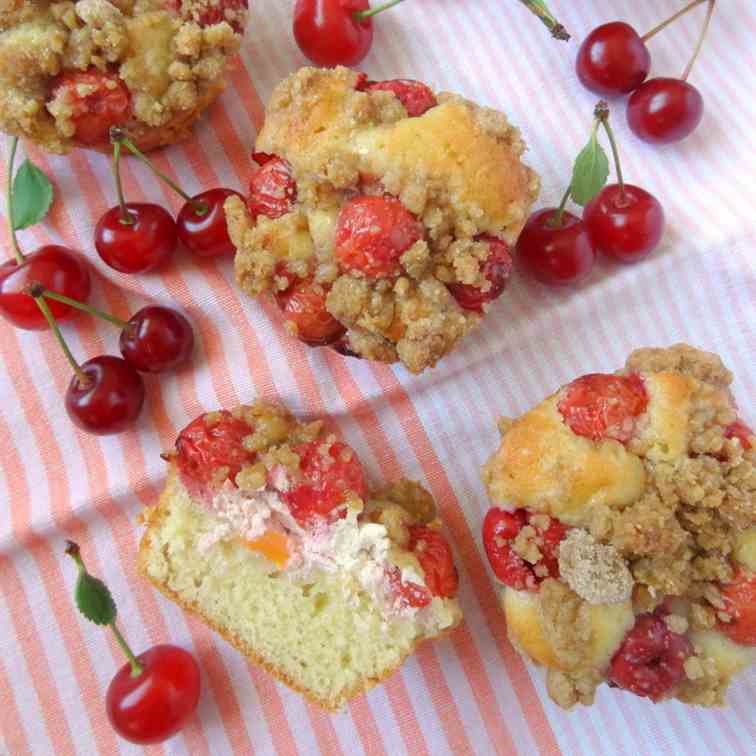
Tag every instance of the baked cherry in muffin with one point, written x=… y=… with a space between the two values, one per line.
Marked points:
x=70 y=70
x=387 y=211
x=624 y=531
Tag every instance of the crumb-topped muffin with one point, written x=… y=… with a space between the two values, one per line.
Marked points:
x=624 y=531
x=70 y=70
x=382 y=215
x=267 y=529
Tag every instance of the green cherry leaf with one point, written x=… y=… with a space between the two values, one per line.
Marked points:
x=31 y=197
x=590 y=171
x=93 y=599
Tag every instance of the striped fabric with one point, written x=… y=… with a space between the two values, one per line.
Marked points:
x=469 y=694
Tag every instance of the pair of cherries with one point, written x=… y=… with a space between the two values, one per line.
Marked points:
x=614 y=60
x=623 y=222
x=137 y=237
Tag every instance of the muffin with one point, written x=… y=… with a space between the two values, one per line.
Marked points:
x=381 y=216
x=624 y=531
x=71 y=70
x=268 y=531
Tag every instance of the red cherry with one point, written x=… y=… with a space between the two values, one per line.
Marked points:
x=328 y=33
x=739 y=598
x=110 y=400
x=500 y=528
x=435 y=557
x=304 y=307
x=210 y=444
x=664 y=110
x=206 y=234
x=54 y=267
x=372 y=233
x=600 y=406
x=156 y=339
x=650 y=661
x=156 y=704
x=98 y=100
x=496 y=269
x=613 y=60
x=416 y=97
x=624 y=225
x=741 y=431
x=555 y=255
x=140 y=245
x=272 y=188
x=328 y=474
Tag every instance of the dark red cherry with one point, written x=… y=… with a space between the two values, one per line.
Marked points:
x=109 y=400
x=157 y=339
x=205 y=234
x=624 y=225
x=663 y=110
x=140 y=245
x=613 y=60
x=54 y=267
x=555 y=255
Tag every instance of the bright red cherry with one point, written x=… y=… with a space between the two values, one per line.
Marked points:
x=555 y=255
x=140 y=245
x=111 y=398
x=56 y=268
x=416 y=97
x=372 y=233
x=613 y=60
x=624 y=223
x=304 y=308
x=97 y=100
x=272 y=187
x=328 y=32
x=205 y=234
x=496 y=268
x=157 y=703
x=157 y=339
x=664 y=110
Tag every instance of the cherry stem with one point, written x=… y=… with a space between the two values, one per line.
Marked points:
x=50 y=318
x=539 y=9
x=73 y=550
x=664 y=24
x=19 y=255
x=126 y=217
x=370 y=12
x=119 y=137
x=136 y=667
x=556 y=220
x=37 y=290
x=602 y=113
x=699 y=44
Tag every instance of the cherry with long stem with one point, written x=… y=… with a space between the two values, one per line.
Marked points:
x=623 y=221
x=665 y=110
x=154 y=339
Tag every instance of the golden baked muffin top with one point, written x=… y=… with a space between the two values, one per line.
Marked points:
x=624 y=528
x=382 y=215
x=71 y=70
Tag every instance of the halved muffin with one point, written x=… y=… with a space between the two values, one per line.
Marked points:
x=267 y=530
